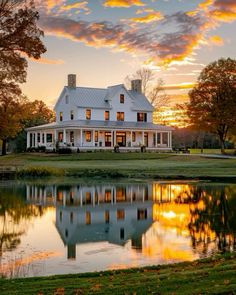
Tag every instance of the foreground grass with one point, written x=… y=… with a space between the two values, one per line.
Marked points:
x=152 y=165
x=208 y=276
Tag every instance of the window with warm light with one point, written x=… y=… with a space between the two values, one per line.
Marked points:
x=133 y=136
x=88 y=114
x=61 y=116
x=88 y=136
x=120 y=116
x=141 y=117
x=72 y=137
x=141 y=214
x=96 y=136
x=107 y=216
x=60 y=136
x=120 y=214
x=107 y=115
x=122 y=98
x=87 y=218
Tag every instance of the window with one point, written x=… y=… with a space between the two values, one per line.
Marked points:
x=107 y=115
x=96 y=136
x=141 y=214
x=72 y=115
x=165 y=138
x=107 y=216
x=120 y=214
x=158 y=138
x=88 y=114
x=133 y=136
x=61 y=116
x=122 y=233
x=88 y=136
x=122 y=98
x=88 y=198
x=72 y=137
x=107 y=197
x=38 y=137
x=49 y=137
x=141 y=117
x=60 y=136
x=67 y=99
x=120 y=116
x=60 y=216
x=87 y=218
x=71 y=217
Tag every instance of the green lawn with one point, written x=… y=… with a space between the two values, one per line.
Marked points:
x=209 y=276
x=124 y=165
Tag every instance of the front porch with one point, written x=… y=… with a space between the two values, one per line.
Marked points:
x=99 y=139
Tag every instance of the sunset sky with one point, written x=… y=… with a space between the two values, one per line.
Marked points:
x=103 y=41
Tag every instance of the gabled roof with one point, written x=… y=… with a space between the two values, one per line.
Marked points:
x=100 y=97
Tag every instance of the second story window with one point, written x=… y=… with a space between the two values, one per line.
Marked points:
x=72 y=115
x=122 y=98
x=141 y=117
x=120 y=116
x=88 y=114
x=107 y=115
x=67 y=99
x=61 y=116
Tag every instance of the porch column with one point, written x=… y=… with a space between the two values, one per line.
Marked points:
x=64 y=135
x=114 y=138
x=55 y=136
x=28 y=139
x=170 y=143
x=156 y=138
x=81 y=137
x=93 y=137
x=161 y=138
x=45 y=138
x=36 y=139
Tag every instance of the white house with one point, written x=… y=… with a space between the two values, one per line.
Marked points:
x=94 y=118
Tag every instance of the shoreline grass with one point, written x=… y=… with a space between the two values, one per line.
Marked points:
x=214 y=275
x=124 y=165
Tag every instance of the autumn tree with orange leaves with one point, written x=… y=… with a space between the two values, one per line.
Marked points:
x=212 y=105
x=20 y=37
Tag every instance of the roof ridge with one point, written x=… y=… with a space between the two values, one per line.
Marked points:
x=97 y=88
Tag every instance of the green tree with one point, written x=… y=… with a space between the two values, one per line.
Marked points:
x=19 y=38
x=212 y=105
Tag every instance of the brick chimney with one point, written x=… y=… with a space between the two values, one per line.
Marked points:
x=136 y=85
x=72 y=81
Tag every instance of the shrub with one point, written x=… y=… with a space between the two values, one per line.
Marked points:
x=39 y=172
x=64 y=150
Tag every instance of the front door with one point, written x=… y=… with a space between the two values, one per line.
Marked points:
x=121 y=139
x=108 y=139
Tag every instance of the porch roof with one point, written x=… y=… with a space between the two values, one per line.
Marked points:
x=101 y=125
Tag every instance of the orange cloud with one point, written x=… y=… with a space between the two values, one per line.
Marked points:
x=216 y=40
x=148 y=18
x=122 y=3
x=47 y=61
x=77 y=5
x=187 y=85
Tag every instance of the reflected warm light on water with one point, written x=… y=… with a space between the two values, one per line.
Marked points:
x=68 y=228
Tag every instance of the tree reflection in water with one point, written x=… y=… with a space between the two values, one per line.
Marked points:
x=15 y=214
x=216 y=221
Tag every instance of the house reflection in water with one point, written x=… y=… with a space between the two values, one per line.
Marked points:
x=159 y=219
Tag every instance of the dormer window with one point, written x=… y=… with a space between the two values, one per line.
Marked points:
x=66 y=99
x=72 y=115
x=88 y=114
x=107 y=115
x=122 y=98
x=61 y=116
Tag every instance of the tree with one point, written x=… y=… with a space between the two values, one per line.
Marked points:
x=212 y=105
x=39 y=114
x=13 y=108
x=19 y=38
x=154 y=91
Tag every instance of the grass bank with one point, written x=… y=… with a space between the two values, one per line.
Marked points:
x=208 y=276
x=128 y=165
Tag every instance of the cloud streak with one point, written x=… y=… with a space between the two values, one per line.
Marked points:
x=122 y=3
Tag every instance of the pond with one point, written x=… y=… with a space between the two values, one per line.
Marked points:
x=65 y=227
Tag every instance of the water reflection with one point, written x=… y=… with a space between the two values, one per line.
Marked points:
x=146 y=223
